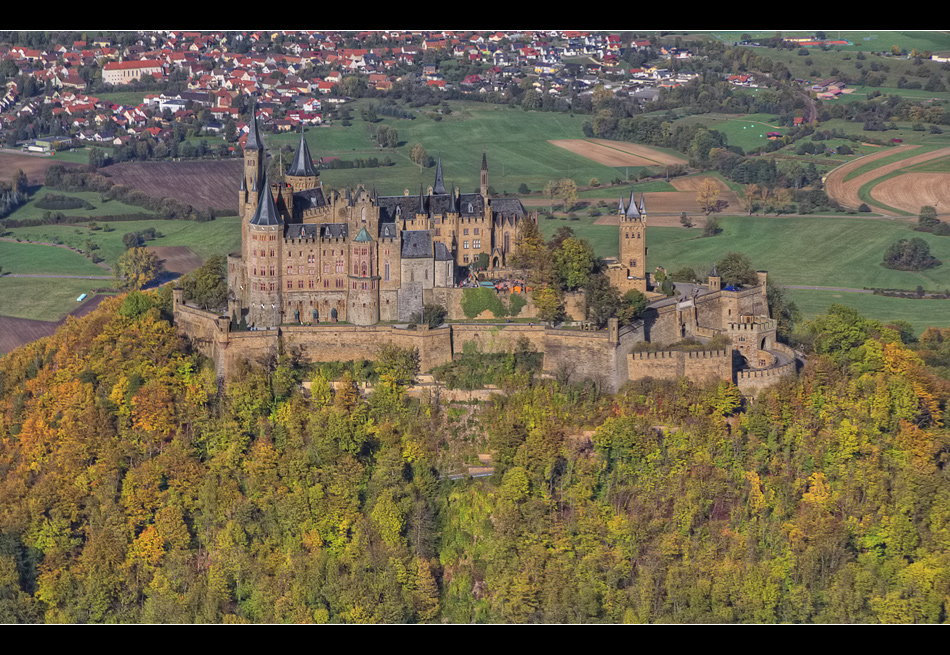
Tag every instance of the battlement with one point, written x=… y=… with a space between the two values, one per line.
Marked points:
x=679 y=354
x=760 y=325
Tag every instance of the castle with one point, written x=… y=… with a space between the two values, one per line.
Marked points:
x=334 y=275
x=314 y=255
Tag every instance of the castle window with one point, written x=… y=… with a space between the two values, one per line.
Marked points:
x=290 y=284
x=476 y=231
x=465 y=259
x=387 y=271
x=290 y=270
x=300 y=284
x=465 y=244
x=477 y=243
x=465 y=231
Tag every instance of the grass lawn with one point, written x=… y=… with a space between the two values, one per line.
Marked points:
x=41 y=300
x=921 y=314
x=217 y=237
x=33 y=259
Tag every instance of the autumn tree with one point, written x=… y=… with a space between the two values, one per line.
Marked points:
x=136 y=268
x=708 y=197
x=564 y=189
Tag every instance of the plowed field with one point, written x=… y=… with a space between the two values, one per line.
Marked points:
x=617 y=153
x=201 y=184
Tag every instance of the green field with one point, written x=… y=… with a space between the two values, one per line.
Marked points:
x=218 y=237
x=100 y=208
x=921 y=314
x=42 y=299
x=844 y=252
x=516 y=143
x=32 y=259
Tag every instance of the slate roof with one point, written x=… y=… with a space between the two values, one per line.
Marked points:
x=303 y=231
x=442 y=253
x=309 y=198
x=388 y=231
x=266 y=213
x=302 y=164
x=507 y=207
x=254 y=141
x=416 y=244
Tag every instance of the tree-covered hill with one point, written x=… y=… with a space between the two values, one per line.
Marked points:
x=131 y=490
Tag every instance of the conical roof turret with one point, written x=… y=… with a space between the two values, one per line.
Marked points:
x=439 y=185
x=266 y=213
x=254 y=141
x=302 y=165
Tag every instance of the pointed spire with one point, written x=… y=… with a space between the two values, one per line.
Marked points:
x=422 y=202
x=452 y=205
x=254 y=141
x=484 y=159
x=621 y=208
x=643 y=209
x=439 y=186
x=302 y=165
x=266 y=213
x=632 y=211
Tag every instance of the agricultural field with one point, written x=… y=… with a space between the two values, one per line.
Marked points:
x=892 y=182
x=840 y=252
x=35 y=167
x=516 y=143
x=34 y=259
x=100 y=207
x=41 y=299
x=203 y=184
x=921 y=314
x=217 y=237
x=747 y=132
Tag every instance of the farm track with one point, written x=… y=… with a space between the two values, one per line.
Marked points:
x=846 y=192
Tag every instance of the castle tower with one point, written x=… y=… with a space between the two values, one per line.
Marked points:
x=633 y=249
x=265 y=233
x=363 y=279
x=715 y=281
x=302 y=175
x=254 y=165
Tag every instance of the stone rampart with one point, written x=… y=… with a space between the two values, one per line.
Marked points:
x=696 y=365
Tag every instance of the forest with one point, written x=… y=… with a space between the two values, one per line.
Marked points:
x=133 y=489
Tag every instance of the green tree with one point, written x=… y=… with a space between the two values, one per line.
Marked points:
x=928 y=218
x=601 y=300
x=574 y=262
x=207 y=287
x=736 y=270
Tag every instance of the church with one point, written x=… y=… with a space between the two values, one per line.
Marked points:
x=312 y=255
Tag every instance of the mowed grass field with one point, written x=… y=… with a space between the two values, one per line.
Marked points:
x=42 y=299
x=515 y=142
x=34 y=259
x=845 y=252
x=921 y=314
x=217 y=237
